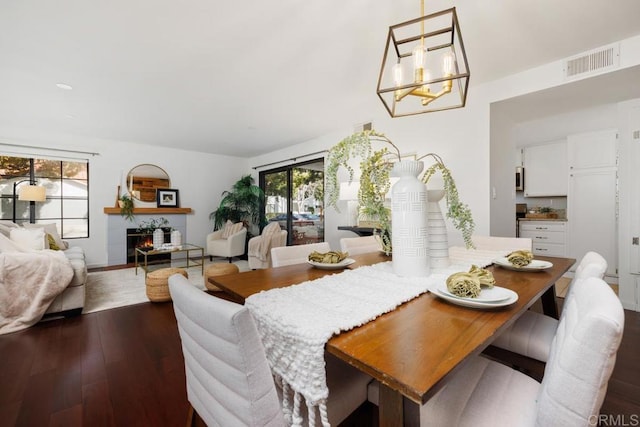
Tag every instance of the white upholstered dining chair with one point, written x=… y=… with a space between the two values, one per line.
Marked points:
x=360 y=245
x=532 y=333
x=229 y=382
x=486 y=393
x=298 y=254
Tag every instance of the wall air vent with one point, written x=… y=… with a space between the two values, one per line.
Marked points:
x=363 y=126
x=593 y=62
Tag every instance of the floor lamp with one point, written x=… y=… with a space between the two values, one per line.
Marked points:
x=28 y=193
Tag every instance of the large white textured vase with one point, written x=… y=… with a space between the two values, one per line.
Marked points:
x=409 y=221
x=438 y=238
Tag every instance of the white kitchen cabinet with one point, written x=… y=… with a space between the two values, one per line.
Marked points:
x=592 y=150
x=593 y=197
x=546 y=169
x=547 y=237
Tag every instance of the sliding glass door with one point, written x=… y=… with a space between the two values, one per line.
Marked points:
x=294 y=197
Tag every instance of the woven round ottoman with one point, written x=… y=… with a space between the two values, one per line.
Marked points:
x=218 y=270
x=158 y=283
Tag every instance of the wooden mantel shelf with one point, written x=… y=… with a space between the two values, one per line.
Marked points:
x=149 y=211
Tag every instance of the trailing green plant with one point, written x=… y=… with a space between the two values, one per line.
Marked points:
x=458 y=212
x=242 y=203
x=375 y=169
x=357 y=145
x=126 y=207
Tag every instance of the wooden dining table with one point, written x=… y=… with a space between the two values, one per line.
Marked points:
x=413 y=349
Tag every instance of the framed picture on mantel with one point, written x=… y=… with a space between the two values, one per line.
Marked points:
x=167 y=198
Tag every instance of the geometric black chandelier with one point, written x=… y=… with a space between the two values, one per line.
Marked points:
x=424 y=67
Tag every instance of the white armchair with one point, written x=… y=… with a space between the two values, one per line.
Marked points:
x=231 y=246
x=260 y=246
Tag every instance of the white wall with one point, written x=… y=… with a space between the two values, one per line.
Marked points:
x=440 y=133
x=559 y=126
x=200 y=178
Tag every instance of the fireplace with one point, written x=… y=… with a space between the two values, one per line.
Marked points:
x=137 y=239
x=117 y=246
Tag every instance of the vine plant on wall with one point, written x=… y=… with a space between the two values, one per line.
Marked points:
x=375 y=182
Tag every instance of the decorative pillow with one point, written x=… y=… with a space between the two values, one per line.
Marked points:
x=230 y=229
x=7 y=226
x=52 y=243
x=50 y=228
x=28 y=238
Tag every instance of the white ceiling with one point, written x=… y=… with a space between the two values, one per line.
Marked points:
x=244 y=78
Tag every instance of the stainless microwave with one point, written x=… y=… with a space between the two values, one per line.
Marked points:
x=519 y=178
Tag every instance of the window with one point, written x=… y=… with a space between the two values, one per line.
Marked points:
x=67 y=189
x=294 y=197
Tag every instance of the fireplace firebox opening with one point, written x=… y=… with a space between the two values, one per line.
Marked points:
x=137 y=239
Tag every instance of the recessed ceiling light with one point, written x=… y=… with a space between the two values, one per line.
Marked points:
x=64 y=86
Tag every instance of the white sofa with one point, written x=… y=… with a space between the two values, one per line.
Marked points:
x=71 y=300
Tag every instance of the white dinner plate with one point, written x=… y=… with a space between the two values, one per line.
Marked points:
x=534 y=265
x=488 y=295
x=442 y=292
x=333 y=266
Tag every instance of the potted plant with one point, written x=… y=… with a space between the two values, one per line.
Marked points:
x=149 y=226
x=126 y=206
x=240 y=204
x=375 y=168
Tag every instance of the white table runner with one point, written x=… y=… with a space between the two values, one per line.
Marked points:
x=296 y=322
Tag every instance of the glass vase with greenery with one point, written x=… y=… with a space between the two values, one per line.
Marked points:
x=375 y=183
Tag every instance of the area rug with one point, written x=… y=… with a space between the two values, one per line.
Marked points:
x=119 y=288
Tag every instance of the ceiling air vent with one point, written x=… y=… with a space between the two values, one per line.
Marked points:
x=593 y=62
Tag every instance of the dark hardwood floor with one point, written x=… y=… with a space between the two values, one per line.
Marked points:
x=124 y=367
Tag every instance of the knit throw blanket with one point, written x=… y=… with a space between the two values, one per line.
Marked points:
x=296 y=322
x=260 y=248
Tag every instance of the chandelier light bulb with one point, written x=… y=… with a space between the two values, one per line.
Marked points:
x=448 y=63
x=419 y=53
x=397 y=74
